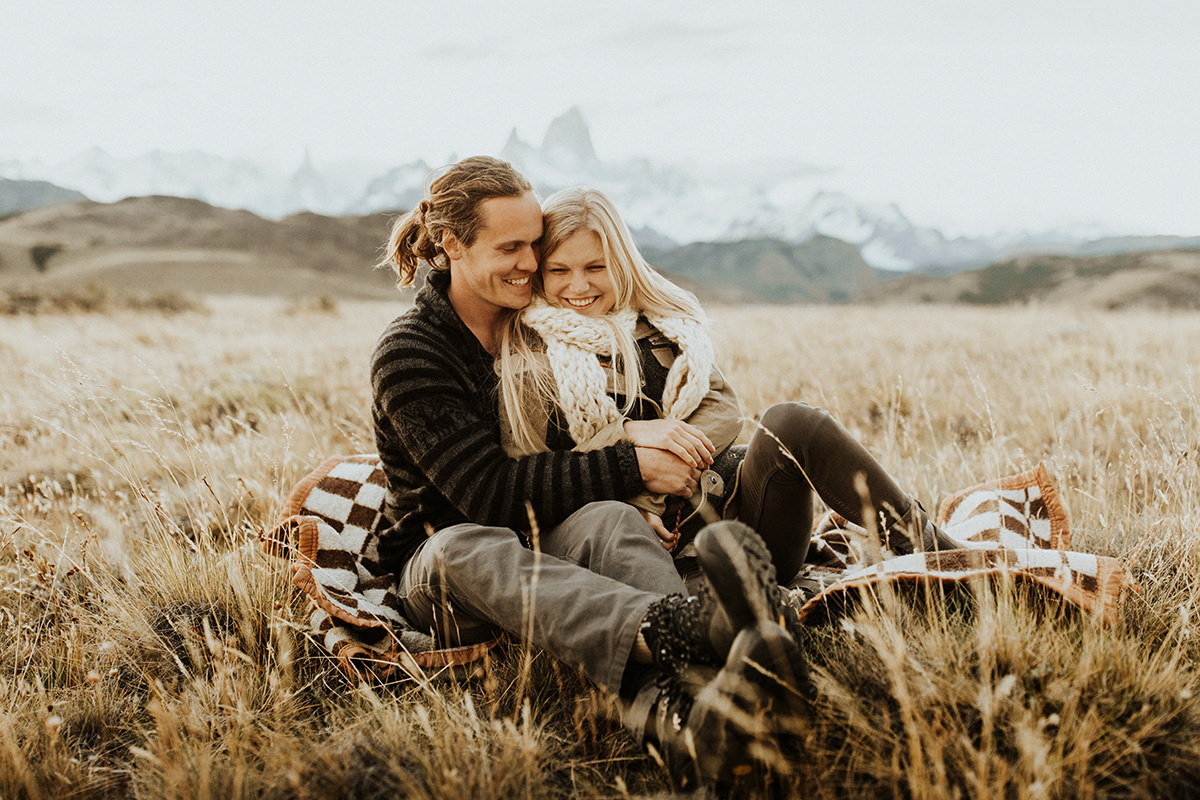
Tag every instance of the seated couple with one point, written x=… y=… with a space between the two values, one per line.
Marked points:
x=549 y=431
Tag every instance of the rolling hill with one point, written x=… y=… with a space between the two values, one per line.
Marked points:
x=158 y=243
x=1159 y=279
x=175 y=244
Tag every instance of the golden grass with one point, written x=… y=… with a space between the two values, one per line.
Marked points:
x=151 y=650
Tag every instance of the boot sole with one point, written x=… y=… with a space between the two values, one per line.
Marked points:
x=738 y=565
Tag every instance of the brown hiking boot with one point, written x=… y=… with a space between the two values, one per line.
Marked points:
x=726 y=733
x=739 y=572
x=915 y=532
x=739 y=590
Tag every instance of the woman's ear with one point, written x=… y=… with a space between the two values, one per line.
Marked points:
x=452 y=246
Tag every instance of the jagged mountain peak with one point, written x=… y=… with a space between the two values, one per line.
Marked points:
x=514 y=142
x=568 y=135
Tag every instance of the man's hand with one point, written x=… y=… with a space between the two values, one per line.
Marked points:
x=668 y=539
x=675 y=436
x=664 y=473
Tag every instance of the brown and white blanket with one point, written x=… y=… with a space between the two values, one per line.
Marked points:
x=329 y=531
x=1014 y=526
x=330 y=525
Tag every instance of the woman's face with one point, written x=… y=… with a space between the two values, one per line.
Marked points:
x=576 y=276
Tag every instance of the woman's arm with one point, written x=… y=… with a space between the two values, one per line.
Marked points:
x=675 y=436
x=717 y=419
x=713 y=426
x=719 y=414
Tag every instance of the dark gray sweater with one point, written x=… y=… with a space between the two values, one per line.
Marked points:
x=437 y=429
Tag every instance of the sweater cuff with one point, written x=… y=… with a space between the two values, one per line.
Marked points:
x=627 y=463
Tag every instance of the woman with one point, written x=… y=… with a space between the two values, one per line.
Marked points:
x=611 y=350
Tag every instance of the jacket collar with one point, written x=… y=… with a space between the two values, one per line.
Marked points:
x=433 y=298
x=433 y=302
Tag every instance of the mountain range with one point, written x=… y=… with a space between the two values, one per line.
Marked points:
x=666 y=205
x=155 y=245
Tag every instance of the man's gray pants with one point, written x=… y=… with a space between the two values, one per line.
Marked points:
x=580 y=593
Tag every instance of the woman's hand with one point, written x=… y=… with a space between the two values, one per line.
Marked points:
x=668 y=539
x=675 y=436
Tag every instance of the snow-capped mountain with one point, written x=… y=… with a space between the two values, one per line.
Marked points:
x=228 y=182
x=663 y=203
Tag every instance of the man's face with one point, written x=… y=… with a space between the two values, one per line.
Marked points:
x=496 y=271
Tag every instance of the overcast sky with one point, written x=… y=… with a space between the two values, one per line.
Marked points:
x=970 y=115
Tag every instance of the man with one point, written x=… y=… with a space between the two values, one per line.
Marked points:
x=586 y=578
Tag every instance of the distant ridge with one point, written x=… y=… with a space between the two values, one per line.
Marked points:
x=22 y=195
x=179 y=244
x=157 y=244
x=1168 y=279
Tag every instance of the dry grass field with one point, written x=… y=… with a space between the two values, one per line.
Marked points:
x=148 y=647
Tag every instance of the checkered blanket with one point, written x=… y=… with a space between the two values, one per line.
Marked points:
x=1015 y=526
x=330 y=524
x=329 y=531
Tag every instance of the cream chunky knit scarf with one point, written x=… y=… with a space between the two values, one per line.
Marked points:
x=573 y=341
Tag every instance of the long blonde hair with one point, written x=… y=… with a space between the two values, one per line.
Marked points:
x=451 y=204
x=525 y=380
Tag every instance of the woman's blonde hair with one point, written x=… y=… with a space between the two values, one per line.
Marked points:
x=525 y=380
x=451 y=205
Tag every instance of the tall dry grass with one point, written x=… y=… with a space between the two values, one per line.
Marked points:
x=151 y=650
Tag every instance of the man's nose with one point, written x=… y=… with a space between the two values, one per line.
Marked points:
x=528 y=261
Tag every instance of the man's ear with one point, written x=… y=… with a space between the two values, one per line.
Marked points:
x=452 y=246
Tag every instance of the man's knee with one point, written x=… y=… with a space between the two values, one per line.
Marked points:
x=451 y=549
x=612 y=514
x=599 y=527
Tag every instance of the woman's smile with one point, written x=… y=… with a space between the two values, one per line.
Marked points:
x=576 y=275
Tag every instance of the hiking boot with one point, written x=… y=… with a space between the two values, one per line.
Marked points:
x=738 y=590
x=916 y=532
x=727 y=731
x=741 y=578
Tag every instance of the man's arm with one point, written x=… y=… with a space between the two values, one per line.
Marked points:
x=440 y=425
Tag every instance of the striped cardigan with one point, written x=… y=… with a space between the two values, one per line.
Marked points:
x=437 y=429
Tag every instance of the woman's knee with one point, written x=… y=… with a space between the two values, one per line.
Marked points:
x=793 y=418
x=793 y=424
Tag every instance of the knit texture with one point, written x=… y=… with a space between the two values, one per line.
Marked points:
x=573 y=342
x=437 y=431
x=676 y=630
